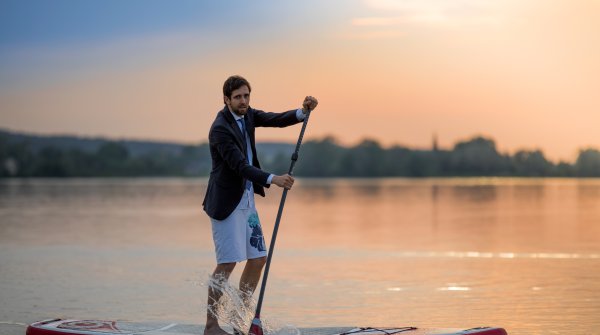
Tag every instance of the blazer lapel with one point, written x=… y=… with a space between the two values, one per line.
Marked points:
x=234 y=128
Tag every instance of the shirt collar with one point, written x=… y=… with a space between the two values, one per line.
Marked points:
x=235 y=116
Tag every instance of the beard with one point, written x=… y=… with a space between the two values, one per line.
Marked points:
x=239 y=110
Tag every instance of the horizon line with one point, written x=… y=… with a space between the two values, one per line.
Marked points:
x=394 y=145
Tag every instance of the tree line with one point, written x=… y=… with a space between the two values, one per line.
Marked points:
x=318 y=158
x=475 y=157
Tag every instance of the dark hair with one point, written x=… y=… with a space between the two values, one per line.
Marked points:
x=233 y=83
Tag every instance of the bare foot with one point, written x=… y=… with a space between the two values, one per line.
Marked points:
x=215 y=330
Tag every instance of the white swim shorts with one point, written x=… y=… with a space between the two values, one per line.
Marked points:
x=239 y=236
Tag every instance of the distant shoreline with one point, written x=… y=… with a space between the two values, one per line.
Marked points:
x=23 y=155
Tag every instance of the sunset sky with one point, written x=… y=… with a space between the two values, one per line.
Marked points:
x=523 y=72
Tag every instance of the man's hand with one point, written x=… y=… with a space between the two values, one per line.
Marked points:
x=286 y=181
x=309 y=103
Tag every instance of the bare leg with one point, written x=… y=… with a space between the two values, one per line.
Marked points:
x=251 y=275
x=221 y=273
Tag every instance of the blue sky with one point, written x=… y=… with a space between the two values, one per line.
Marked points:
x=41 y=41
x=25 y=23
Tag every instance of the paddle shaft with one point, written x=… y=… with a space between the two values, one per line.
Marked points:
x=278 y=220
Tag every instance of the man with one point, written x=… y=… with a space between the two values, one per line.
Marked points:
x=235 y=177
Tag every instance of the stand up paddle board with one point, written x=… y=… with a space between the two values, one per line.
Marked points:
x=104 y=327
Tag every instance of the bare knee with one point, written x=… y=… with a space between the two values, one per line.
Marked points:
x=257 y=262
x=223 y=270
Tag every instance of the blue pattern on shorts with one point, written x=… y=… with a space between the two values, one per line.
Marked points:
x=256 y=240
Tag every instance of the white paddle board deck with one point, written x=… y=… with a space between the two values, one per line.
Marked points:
x=108 y=327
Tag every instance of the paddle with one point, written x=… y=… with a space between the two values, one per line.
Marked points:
x=256 y=326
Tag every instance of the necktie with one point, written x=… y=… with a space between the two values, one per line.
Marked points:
x=243 y=128
x=242 y=124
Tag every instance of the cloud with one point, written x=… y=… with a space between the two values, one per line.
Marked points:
x=428 y=5
x=430 y=12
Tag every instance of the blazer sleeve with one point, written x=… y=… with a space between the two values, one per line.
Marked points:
x=233 y=157
x=266 y=119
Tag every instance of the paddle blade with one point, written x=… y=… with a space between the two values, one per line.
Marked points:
x=256 y=327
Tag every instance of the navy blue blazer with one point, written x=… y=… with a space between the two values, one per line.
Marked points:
x=229 y=163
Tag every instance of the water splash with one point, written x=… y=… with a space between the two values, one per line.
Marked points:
x=236 y=309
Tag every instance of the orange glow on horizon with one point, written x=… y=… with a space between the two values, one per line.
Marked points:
x=525 y=74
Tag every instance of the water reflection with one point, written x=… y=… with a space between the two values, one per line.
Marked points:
x=454 y=288
x=519 y=253
x=476 y=193
x=588 y=194
x=435 y=190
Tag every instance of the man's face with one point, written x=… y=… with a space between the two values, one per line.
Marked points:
x=239 y=101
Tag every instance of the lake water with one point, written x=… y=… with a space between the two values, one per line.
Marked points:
x=523 y=254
